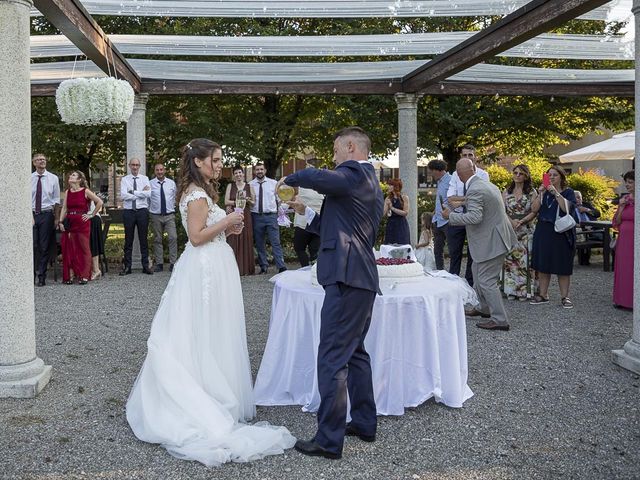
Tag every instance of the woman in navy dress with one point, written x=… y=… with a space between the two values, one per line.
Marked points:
x=396 y=208
x=553 y=252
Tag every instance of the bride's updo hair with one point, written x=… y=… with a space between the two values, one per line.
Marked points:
x=190 y=173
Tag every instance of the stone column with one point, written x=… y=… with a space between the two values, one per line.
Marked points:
x=137 y=148
x=629 y=356
x=22 y=373
x=407 y=153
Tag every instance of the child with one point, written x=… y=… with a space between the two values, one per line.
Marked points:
x=424 y=247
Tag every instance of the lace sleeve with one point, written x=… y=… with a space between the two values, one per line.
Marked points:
x=196 y=195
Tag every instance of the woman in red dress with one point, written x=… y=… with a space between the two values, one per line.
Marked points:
x=75 y=225
x=623 y=270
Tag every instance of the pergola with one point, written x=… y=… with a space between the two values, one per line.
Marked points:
x=456 y=69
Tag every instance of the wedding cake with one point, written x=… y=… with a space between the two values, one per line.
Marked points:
x=395 y=269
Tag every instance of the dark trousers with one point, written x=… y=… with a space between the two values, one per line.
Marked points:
x=42 y=234
x=439 y=239
x=455 y=240
x=303 y=239
x=136 y=218
x=344 y=365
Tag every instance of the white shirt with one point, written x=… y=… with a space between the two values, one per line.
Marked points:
x=456 y=186
x=141 y=196
x=269 y=203
x=169 y=188
x=311 y=199
x=50 y=190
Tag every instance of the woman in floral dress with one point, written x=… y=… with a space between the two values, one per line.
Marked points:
x=518 y=277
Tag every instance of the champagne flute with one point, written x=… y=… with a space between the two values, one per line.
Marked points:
x=241 y=201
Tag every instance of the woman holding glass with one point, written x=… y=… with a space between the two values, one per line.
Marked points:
x=240 y=194
x=623 y=269
x=75 y=225
x=519 y=278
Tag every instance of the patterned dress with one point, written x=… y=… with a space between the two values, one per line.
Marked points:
x=518 y=276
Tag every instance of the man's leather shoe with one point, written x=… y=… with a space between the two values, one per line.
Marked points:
x=125 y=271
x=171 y=267
x=351 y=431
x=476 y=313
x=158 y=268
x=283 y=269
x=41 y=282
x=311 y=448
x=263 y=270
x=147 y=271
x=492 y=325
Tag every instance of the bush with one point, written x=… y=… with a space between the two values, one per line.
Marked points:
x=596 y=189
x=499 y=176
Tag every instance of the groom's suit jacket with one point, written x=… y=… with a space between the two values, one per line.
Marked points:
x=348 y=222
x=489 y=231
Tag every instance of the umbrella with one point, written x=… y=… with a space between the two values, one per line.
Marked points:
x=618 y=147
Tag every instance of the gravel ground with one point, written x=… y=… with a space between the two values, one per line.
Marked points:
x=548 y=402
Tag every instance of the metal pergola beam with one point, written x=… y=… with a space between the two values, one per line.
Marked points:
x=534 y=18
x=173 y=87
x=74 y=22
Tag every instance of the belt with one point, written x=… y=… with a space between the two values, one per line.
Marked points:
x=48 y=210
x=161 y=215
x=264 y=213
x=137 y=209
x=76 y=213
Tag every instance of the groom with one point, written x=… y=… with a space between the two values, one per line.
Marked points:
x=347 y=224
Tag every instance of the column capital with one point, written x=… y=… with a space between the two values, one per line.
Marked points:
x=407 y=100
x=26 y=3
x=635 y=9
x=140 y=101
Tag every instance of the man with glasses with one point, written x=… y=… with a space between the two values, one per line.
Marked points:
x=45 y=205
x=457 y=235
x=135 y=191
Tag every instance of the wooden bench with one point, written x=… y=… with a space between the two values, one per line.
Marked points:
x=596 y=227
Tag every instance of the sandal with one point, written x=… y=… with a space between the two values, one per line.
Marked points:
x=84 y=281
x=69 y=282
x=538 y=300
x=566 y=303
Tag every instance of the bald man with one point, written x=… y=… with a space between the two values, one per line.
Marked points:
x=490 y=236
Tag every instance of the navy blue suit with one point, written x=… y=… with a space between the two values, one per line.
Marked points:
x=347 y=225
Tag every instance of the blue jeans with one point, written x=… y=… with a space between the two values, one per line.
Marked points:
x=263 y=225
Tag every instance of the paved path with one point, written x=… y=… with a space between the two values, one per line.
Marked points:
x=548 y=403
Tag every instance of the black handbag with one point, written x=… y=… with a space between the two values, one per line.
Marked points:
x=66 y=224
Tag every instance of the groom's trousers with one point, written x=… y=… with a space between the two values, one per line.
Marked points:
x=344 y=365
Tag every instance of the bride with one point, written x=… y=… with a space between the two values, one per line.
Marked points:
x=193 y=394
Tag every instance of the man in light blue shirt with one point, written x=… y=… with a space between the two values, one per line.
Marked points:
x=438 y=171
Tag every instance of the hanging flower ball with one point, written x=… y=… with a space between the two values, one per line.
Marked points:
x=94 y=101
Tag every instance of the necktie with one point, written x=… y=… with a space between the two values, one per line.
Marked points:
x=135 y=187
x=163 y=200
x=464 y=192
x=39 y=194
x=260 y=202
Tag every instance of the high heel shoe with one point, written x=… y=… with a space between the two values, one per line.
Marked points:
x=96 y=275
x=84 y=281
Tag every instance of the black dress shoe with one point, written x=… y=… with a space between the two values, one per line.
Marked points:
x=159 y=268
x=125 y=271
x=263 y=270
x=283 y=269
x=491 y=325
x=351 y=431
x=171 y=267
x=147 y=271
x=311 y=448
x=41 y=282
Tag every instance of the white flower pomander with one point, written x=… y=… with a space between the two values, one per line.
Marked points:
x=94 y=101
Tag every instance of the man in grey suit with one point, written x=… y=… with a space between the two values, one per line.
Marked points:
x=490 y=236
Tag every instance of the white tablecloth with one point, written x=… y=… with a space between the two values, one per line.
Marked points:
x=417 y=343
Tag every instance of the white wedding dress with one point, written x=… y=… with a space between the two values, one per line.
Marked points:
x=194 y=390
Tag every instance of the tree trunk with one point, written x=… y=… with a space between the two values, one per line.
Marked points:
x=450 y=155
